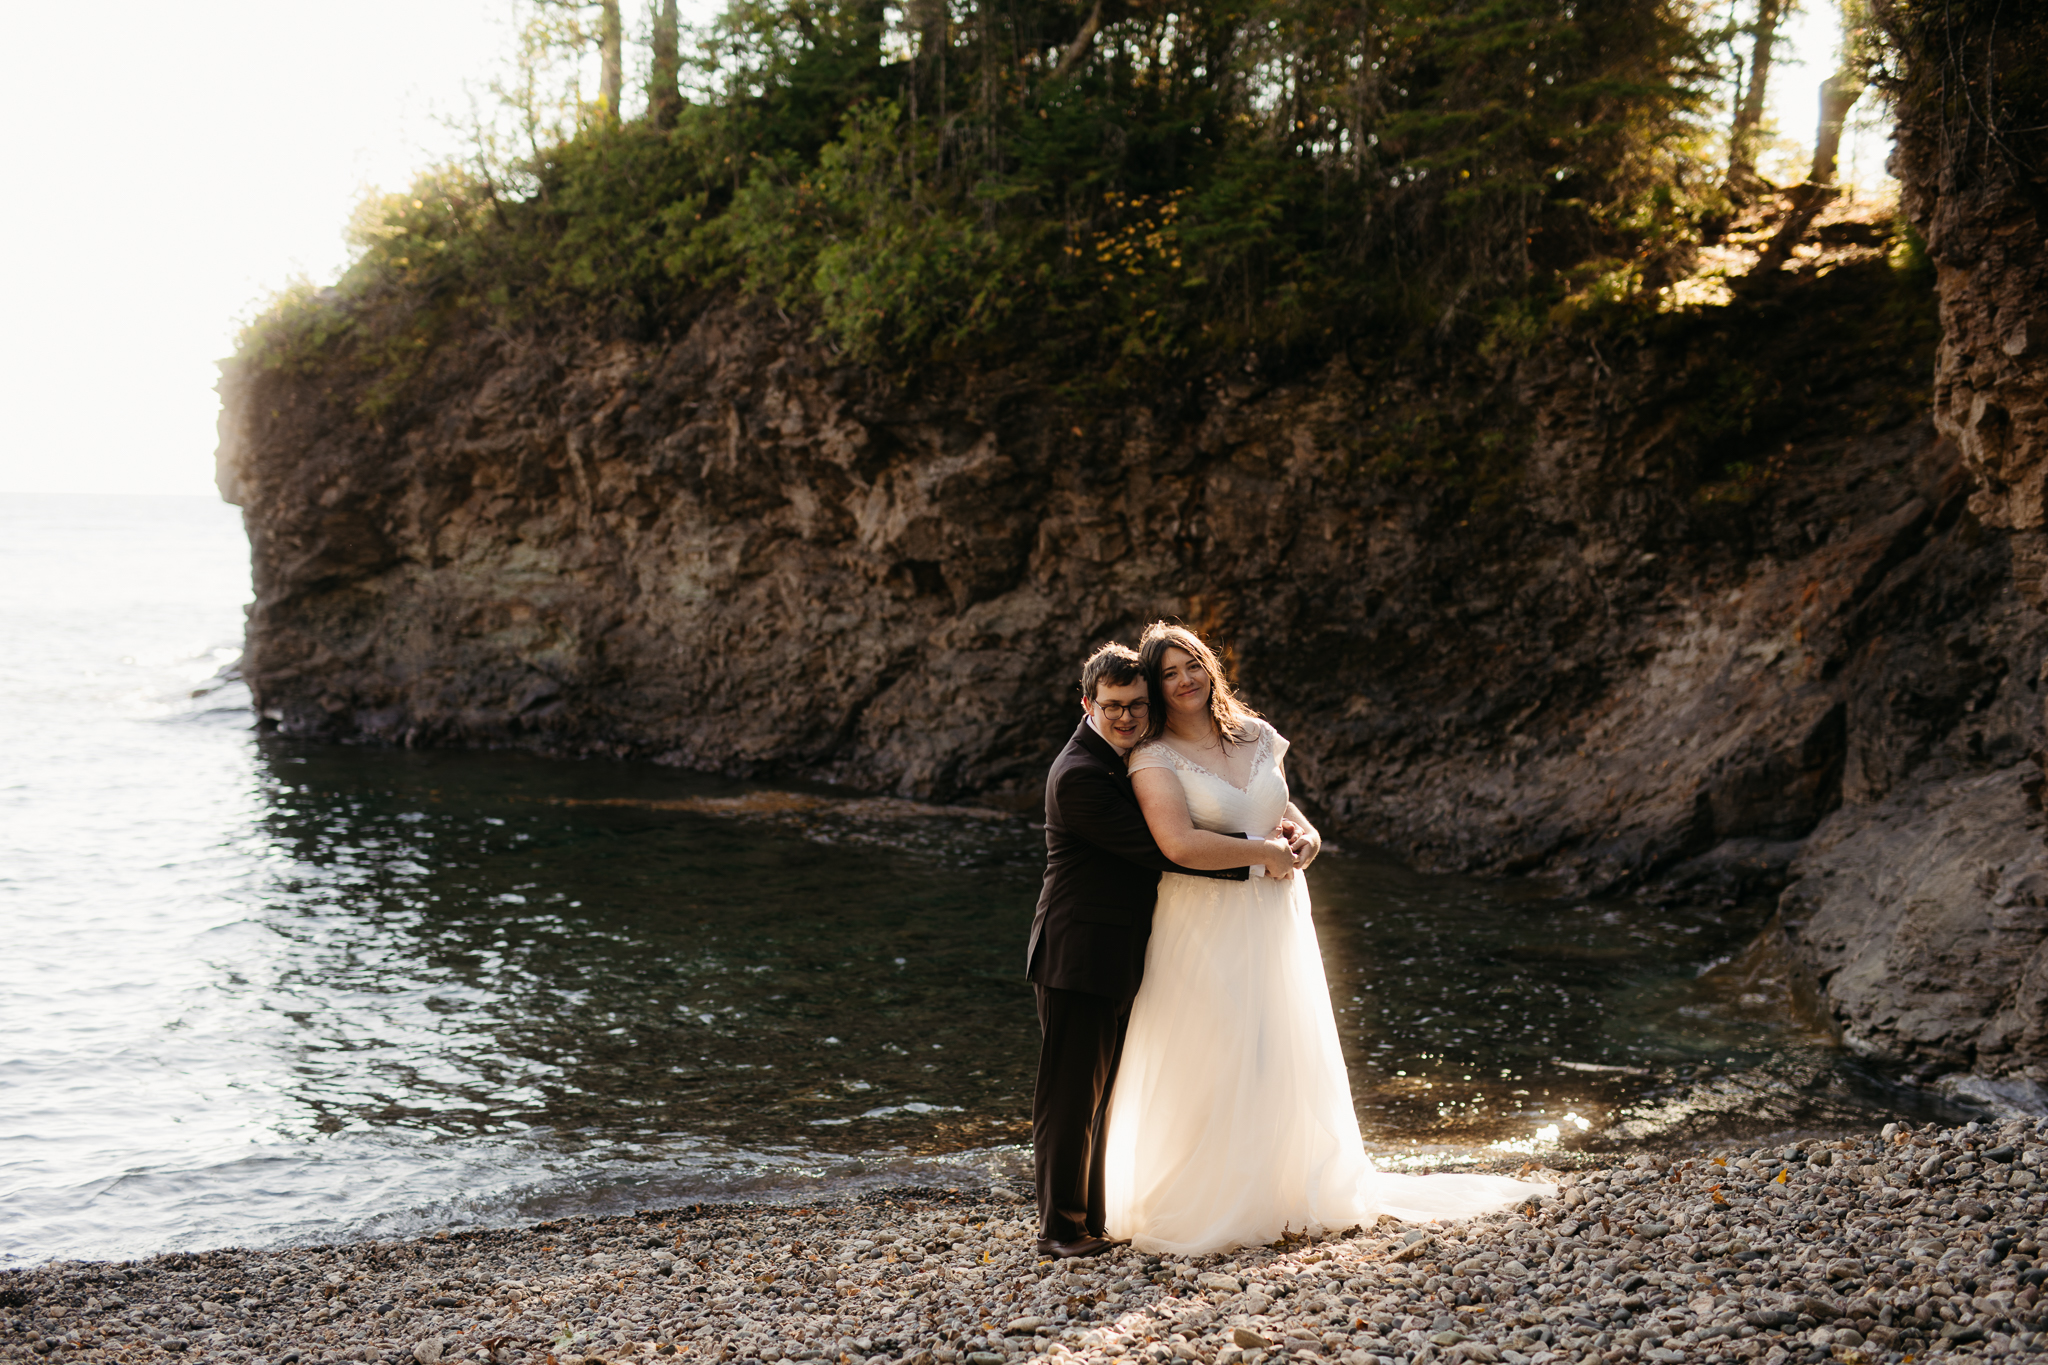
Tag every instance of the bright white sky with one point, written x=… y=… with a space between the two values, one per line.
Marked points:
x=174 y=164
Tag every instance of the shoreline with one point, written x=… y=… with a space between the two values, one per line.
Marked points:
x=1910 y=1242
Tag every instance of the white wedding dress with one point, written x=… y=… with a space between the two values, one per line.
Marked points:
x=1231 y=1120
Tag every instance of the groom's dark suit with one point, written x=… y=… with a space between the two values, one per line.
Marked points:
x=1086 y=958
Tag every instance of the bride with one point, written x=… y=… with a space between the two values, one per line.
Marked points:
x=1231 y=1120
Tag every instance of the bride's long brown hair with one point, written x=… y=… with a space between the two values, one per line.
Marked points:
x=1231 y=717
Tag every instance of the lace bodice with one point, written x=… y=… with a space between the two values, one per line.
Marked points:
x=1217 y=803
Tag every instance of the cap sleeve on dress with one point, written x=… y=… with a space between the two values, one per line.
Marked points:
x=1152 y=755
x=1277 y=740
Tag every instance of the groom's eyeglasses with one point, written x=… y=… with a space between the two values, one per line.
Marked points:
x=1117 y=711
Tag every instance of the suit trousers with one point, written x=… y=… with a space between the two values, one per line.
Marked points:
x=1081 y=1041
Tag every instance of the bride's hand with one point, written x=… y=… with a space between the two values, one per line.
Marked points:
x=1305 y=843
x=1279 y=858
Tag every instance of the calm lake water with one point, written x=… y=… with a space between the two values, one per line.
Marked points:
x=258 y=991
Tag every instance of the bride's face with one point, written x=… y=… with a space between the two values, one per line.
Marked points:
x=1184 y=683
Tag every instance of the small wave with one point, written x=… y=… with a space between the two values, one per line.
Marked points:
x=359 y=1187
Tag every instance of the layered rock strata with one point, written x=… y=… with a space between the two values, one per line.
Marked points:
x=1970 y=161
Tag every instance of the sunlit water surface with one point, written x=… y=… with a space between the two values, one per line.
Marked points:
x=257 y=991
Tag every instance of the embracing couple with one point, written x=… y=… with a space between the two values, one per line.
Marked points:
x=1192 y=1094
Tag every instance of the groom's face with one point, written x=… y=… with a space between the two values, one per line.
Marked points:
x=1113 y=717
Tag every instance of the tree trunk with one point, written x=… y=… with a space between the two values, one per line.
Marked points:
x=1838 y=95
x=1078 y=49
x=927 y=20
x=1743 y=136
x=612 y=74
x=664 y=92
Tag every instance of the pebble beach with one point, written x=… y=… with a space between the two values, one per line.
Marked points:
x=1904 y=1245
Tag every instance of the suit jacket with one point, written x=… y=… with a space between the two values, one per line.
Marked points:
x=1101 y=875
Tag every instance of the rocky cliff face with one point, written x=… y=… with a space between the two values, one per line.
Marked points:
x=1970 y=160
x=1918 y=903
x=1643 y=647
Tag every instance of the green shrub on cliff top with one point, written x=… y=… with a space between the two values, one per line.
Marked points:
x=888 y=262
x=1106 y=191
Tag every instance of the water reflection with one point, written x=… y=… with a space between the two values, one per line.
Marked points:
x=1489 y=1012
x=492 y=944
x=486 y=944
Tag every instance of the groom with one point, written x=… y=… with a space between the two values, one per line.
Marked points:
x=1087 y=950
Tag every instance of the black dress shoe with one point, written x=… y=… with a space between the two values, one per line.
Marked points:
x=1067 y=1251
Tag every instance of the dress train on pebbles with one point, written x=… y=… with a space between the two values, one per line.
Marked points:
x=1231 y=1121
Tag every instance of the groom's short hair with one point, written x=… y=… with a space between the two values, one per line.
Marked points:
x=1118 y=664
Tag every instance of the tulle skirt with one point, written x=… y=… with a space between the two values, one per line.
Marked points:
x=1231 y=1121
